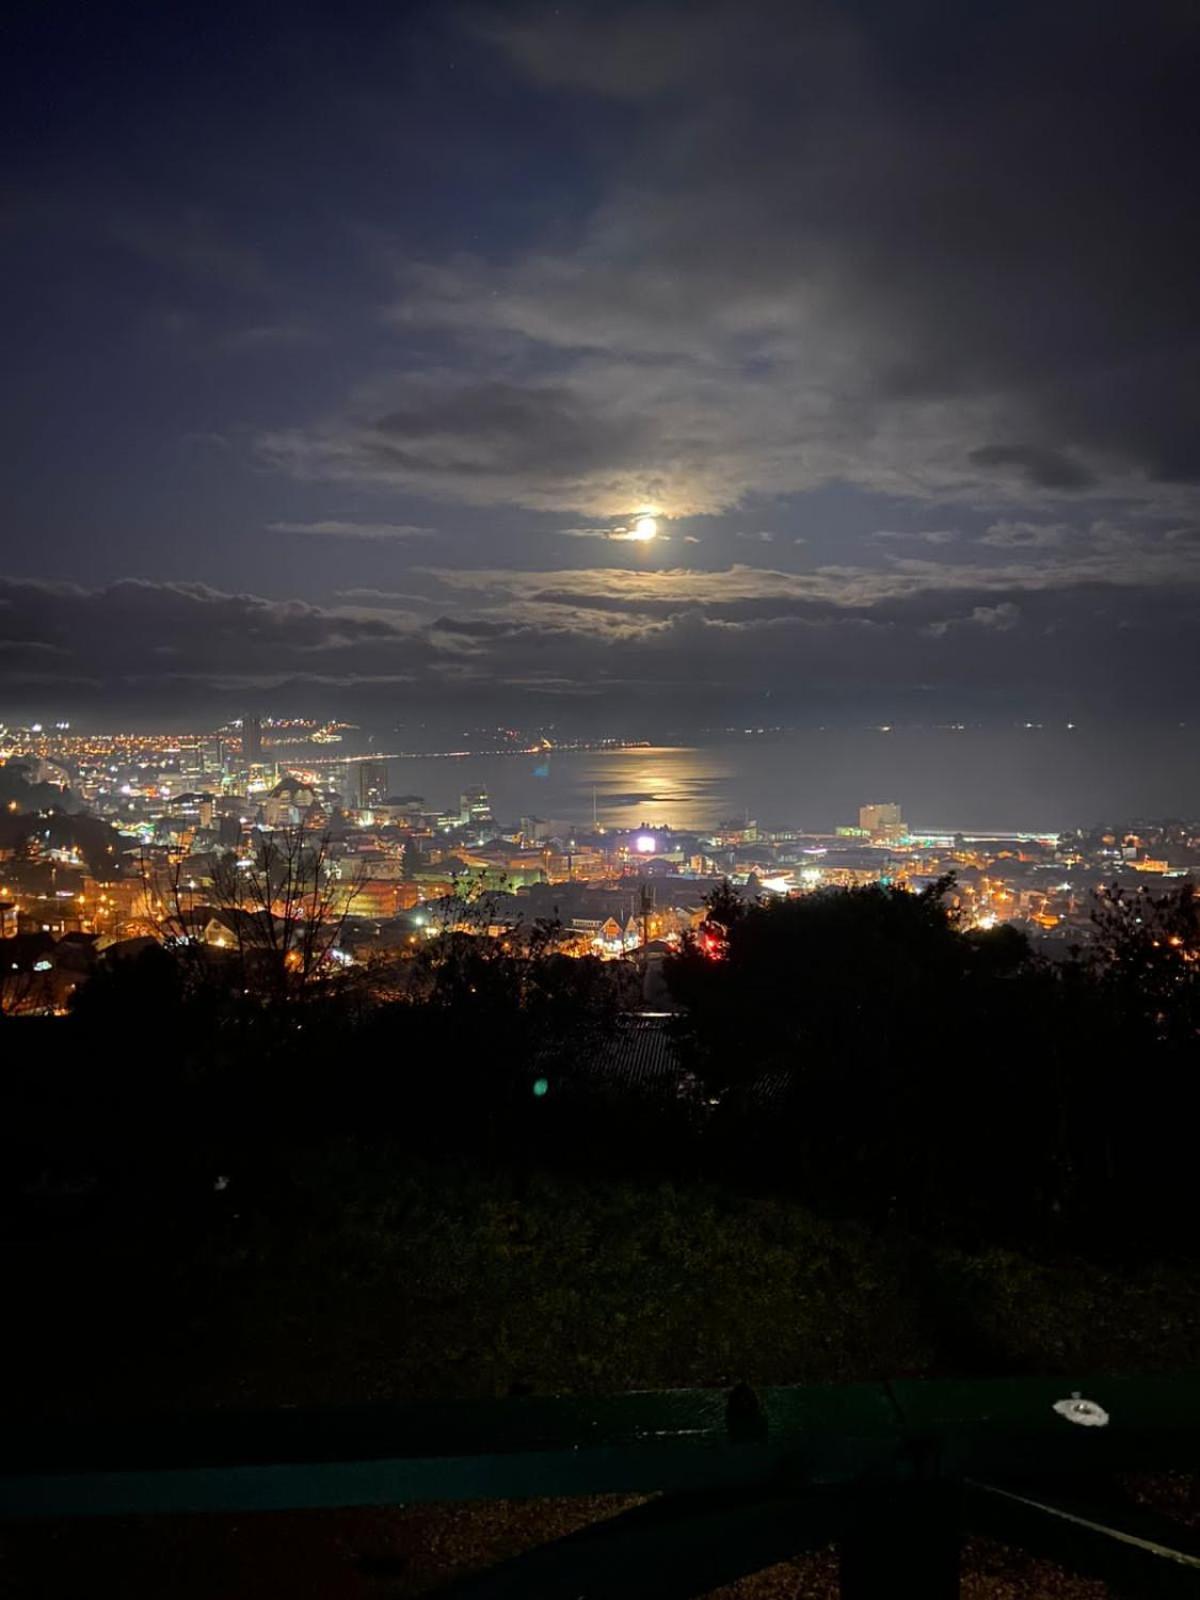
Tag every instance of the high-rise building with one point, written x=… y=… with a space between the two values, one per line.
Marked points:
x=212 y=754
x=474 y=807
x=252 y=746
x=372 y=784
x=881 y=820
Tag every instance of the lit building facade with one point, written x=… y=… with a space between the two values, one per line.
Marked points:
x=881 y=820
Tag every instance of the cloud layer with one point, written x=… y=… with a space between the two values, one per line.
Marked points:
x=610 y=646
x=333 y=529
x=931 y=256
x=887 y=312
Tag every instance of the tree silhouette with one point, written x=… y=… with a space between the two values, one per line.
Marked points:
x=1146 y=952
x=284 y=907
x=858 y=1040
x=288 y=907
x=26 y=981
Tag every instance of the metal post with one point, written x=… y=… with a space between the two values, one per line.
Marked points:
x=905 y=1541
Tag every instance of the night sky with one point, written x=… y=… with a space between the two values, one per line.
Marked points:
x=344 y=344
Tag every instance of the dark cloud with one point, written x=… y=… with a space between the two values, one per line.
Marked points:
x=754 y=264
x=132 y=639
x=1011 y=535
x=475 y=627
x=627 y=644
x=1040 y=467
x=337 y=529
x=552 y=444
x=490 y=427
x=822 y=256
x=930 y=536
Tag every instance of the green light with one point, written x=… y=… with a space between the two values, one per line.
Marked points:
x=541 y=1086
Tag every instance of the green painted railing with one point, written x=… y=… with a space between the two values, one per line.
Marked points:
x=895 y=1473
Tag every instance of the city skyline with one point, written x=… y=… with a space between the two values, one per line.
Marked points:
x=1028 y=780
x=631 y=368
x=599 y=796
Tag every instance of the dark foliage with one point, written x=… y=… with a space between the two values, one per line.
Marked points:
x=856 y=1049
x=889 y=1063
x=57 y=829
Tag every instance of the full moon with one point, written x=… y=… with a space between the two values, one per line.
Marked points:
x=645 y=528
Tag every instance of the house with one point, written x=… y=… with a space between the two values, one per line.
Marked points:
x=288 y=802
x=76 y=952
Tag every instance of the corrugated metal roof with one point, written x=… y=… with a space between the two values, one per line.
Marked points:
x=639 y=1054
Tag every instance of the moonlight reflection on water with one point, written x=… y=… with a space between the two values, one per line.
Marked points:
x=975 y=779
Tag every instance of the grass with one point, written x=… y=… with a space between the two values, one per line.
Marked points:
x=350 y=1276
